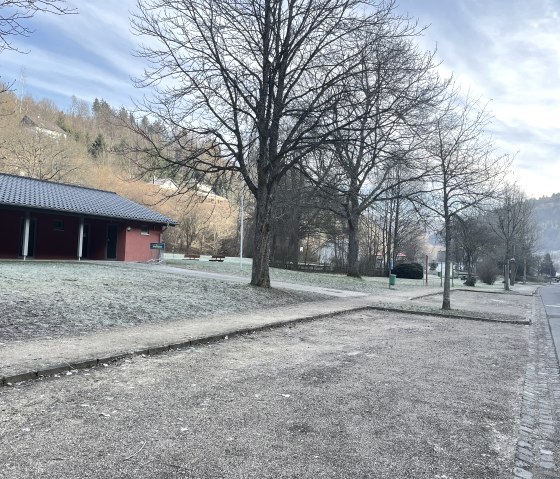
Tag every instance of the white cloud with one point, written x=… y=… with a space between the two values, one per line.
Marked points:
x=507 y=51
x=504 y=50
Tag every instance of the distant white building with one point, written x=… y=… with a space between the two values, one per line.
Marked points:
x=37 y=125
x=203 y=191
x=165 y=183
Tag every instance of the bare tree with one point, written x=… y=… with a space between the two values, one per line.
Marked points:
x=37 y=155
x=296 y=216
x=512 y=223
x=247 y=87
x=371 y=158
x=14 y=15
x=464 y=171
x=473 y=238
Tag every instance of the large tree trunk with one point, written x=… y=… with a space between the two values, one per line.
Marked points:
x=353 y=247
x=506 y=273
x=261 y=252
x=396 y=232
x=447 y=276
x=353 y=230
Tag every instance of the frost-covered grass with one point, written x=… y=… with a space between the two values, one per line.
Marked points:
x=48 y=299
x=326 y=280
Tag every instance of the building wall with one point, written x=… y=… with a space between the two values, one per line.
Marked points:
x=10 y=235
x=138 y=245
x=53 y=242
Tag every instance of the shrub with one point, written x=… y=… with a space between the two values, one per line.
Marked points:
x=488 y=272
x=409 y=270
x=470 y=281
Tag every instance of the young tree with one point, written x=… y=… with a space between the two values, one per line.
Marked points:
x=463 y=170
x=512 y=223
x=547 y=266
x=474 y=238
x=247 y=87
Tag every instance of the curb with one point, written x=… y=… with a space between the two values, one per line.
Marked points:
x=515 y=293
x=156 y=350
x=523 y=322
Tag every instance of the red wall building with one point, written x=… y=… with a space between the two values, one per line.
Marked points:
x=45 y=220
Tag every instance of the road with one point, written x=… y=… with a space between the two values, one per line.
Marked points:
x=551 y=299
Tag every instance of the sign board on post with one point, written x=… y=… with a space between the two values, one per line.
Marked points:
x=157 y=245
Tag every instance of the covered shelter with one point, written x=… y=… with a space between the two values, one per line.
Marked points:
x=45 y=220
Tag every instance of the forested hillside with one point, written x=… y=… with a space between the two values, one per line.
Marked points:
x=84 y=145
x=547 y=217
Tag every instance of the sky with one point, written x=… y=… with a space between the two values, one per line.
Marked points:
x=505 y=52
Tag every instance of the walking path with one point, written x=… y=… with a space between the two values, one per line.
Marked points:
x=538 y=448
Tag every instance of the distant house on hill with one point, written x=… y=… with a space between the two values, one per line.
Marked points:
x=165 y=183
x=45 y=220
x=39 y=126
x=203 y=192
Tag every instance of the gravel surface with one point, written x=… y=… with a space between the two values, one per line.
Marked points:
x=365 y=395
x=44 y=299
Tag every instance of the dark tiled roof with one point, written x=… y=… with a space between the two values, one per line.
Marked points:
x=32 y=193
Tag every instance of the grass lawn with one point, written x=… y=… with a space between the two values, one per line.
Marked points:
x=326 y=280
x=47 y=299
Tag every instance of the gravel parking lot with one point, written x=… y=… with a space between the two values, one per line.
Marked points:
x=53 y=299
x=367 y=394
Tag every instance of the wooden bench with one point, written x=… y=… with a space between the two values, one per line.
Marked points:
x=191 y=256
x=217 y=257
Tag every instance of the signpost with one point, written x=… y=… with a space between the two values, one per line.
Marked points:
x=159 y=249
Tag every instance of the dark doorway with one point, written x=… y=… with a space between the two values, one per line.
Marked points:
x=85 y=242
x=111 y=241
x=32 y=235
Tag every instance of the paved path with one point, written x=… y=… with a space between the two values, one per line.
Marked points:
x=339 y=293
x=538 y=448
x=20 y=357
